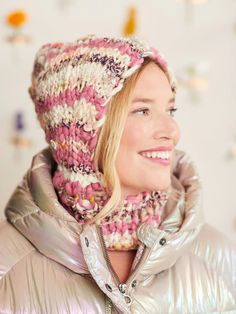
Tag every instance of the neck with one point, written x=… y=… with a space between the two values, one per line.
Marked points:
x=121 y=262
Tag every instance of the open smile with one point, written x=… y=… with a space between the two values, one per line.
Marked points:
x=161 y=157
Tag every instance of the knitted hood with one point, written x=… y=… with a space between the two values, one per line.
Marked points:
x=72 y=84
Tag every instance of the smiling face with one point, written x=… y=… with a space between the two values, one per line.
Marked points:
x=150 y=134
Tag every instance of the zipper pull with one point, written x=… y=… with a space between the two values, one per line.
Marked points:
x=122 y=288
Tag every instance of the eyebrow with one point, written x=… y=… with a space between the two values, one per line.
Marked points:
x=150 y=100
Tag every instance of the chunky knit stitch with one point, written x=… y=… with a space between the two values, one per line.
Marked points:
x=72 y=84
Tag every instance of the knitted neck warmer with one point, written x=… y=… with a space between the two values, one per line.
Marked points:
x=72 y=84
x=119 y=228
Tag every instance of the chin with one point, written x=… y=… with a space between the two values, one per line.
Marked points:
x=149 y=183
x=160 y=186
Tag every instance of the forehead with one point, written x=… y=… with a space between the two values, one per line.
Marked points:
x=152 y=82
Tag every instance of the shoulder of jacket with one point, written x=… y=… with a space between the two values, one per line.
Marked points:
x=13 y=247
x=216 y=249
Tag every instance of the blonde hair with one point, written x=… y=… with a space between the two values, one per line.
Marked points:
x=109 y=142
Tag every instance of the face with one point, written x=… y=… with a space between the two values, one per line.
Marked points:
x=150 y=134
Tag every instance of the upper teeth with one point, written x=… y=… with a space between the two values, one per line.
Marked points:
x=162 y=155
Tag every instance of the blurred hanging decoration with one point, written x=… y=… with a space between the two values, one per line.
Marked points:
x=189 y=7
x=233 y=150
x=19 y=139
x=130 y=26
x=194 y=78
x=16 y=21
x=234 y=28
x=65 y=4
x=196 y=2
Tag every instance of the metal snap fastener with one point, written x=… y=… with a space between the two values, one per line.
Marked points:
x=162 y=241
x=134 y=283
x=108 y=287
x=86 y=241
x=122 y=287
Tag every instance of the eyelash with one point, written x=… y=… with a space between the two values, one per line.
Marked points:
x=173 y=111
x=147 y=110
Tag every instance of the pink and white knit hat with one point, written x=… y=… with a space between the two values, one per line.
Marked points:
x=72 y=84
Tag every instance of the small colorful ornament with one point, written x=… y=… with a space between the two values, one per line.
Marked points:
x=19 y=140
x=65 y=4
x=194 y=78
x=196 y=2
x=233 y=150
x=189 y=8
x=130 y=27
x=16 y=20
x=234 y=28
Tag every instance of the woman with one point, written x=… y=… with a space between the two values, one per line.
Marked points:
x=108 y=217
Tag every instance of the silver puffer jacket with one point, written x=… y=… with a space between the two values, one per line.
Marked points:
x=50 y=264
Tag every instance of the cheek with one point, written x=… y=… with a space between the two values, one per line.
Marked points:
x=130 y=145
x=177 y=133
x=132 y=136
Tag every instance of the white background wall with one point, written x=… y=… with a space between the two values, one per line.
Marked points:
x=208 y=127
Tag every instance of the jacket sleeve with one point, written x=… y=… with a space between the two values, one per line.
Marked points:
x=219 y=253
x=13 y=247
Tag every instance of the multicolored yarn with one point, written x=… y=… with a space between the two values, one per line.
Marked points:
x=72 y=84
x=119 y=228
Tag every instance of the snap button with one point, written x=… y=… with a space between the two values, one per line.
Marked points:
x=86 y=241
x=122 y=288
x=108 y=287
x=134 y=283
x=162 y=241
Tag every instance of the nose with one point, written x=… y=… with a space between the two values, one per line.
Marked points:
x=166 y=128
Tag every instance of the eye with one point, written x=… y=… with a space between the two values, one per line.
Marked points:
x=172 y=111
x=142 y=111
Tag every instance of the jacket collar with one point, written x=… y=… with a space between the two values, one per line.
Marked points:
x=35 y=211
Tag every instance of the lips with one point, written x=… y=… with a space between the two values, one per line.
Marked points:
x=158 y=149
